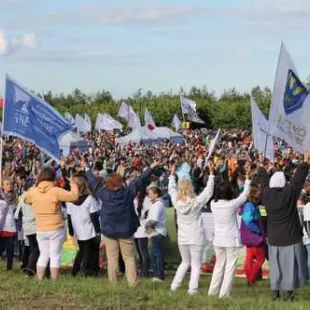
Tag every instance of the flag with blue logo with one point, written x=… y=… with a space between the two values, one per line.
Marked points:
x=30 y=118
x=290 y=107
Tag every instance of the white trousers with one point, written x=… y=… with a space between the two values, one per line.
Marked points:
x=191 y=257
x=224 y=272
x=50 y=245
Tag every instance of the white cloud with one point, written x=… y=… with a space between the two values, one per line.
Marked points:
x=137 y=14
x=30 y=40
x=4 y=44
x=11 y=45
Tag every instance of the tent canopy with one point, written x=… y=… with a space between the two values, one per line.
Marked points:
x=143 y=134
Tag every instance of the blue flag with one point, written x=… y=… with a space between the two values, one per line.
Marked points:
x=30 y=118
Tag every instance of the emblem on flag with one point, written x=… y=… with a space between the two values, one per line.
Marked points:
x=295 y=93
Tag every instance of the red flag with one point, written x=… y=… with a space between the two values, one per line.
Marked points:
x=1 y=102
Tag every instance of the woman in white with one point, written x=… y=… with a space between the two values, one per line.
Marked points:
x=84 y=225
x=191 y=236
x=226 y=236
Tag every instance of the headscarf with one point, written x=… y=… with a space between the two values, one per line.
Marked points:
x=277 y=180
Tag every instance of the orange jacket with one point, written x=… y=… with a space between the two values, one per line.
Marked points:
x=46 y=199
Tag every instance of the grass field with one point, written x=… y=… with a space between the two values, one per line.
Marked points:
x=17 y=292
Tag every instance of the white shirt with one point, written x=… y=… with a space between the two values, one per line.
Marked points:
x=191 y=230
x=306 y=217
x=80 y=216
x=226 y=230
x=140 y=233
x=10 y=223
x=157 y=213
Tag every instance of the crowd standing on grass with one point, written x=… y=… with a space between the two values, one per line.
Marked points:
x=117 y=197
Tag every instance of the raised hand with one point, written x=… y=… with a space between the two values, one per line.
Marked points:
x=211 y=167
x=172 y=169
x=156 y=164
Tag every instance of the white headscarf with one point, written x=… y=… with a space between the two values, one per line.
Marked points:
x=277 y=180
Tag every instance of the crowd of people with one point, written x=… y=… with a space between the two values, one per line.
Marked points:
x=117 y=197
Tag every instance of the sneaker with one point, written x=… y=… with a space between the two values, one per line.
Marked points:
x=289 y=296
x=157 y=280
x=192 y=292
x=173 y=289
x=275 y=295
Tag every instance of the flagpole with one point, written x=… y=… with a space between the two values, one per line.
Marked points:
x=2 y=127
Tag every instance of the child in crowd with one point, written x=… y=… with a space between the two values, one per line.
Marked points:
x=156 y=229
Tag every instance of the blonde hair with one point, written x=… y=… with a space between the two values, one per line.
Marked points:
x=186 y=190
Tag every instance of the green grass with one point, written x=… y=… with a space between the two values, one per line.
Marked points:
x=17 y=292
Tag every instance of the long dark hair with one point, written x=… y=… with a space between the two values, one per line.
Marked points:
x=46 y=174
x=223 y=191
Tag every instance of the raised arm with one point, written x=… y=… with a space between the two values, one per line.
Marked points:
x=207 y=193
x=140 y=182
x=172 y=185
x=172 y=189
x=93 y=183
x=67 y=196
x=300 y=176
x=242 y=198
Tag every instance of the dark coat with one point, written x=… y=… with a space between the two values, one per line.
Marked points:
x=118 y=218
x=283 y=224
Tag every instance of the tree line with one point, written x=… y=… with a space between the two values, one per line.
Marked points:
x=230 y=110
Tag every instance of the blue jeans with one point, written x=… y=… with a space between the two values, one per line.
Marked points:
x=141 y=245
x=307 y=248
x=157 y=254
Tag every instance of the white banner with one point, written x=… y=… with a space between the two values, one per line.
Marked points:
x=80 y=123
x=290 y=108
x=176 y=122
x=186 y=103
x=88 y=121
x=126 y=111
x=69 y=118
x=263 y=142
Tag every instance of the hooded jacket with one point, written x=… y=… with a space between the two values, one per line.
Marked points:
x=190 y=225
x=46 y=199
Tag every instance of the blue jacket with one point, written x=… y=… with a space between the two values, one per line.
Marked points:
x=118 y=218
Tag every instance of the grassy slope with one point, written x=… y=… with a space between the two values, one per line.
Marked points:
x=17 y=292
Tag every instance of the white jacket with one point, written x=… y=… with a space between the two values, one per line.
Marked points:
x=226 y=230
x=140 y=233
x=29 y=217
x=190 y=224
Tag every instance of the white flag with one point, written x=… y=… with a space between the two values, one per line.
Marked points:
x=112 y=121
x=88 y=122
x=126 y=111
x=148 y=119
x=290 y=107
x=212 y=146
x=186 y=103
x=176 y=122
x=80 y=123
x=98 y=121
x=69 y=118
x=263 y=142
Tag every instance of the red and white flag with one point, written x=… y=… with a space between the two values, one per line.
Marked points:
x=148 y=119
